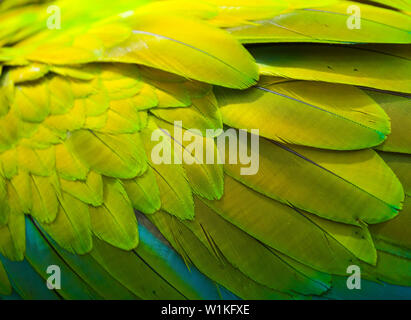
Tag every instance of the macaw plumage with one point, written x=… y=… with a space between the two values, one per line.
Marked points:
x=82 y=94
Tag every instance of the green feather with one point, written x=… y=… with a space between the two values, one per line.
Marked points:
x=114 y=221
x=343 y=119
x=339 y=64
